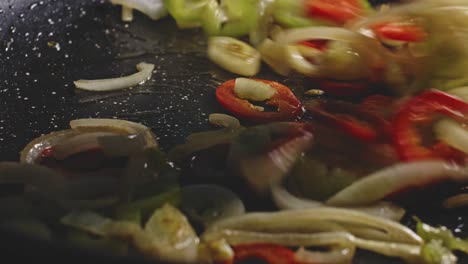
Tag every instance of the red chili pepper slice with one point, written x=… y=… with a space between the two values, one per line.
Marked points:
x=339 y=11
x=270 y=253
x=287 y=104
x=344 y=88
x=419 y=110
x=401 y=31
x=319 y=44
x=351 y=119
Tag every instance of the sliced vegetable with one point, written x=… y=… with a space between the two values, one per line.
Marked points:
x=453 y=134
x=400 y=31
x=396 y=178
x=274 y=55
x=145 y=70
x=234 y=55
x=339 y=11
x=351 y=119
x=288 y=106
x=205 y=204
x=186 y=13
x=264 y=154
x=442 y=234
x=286 y=201
x=422 y=109
x=154 y=9
x=270 y=253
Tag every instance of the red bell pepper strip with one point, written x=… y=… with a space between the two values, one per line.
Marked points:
x=339 y=11
x=400 y=31
x=270 y=253
x=351 y=119
x=287 y=104
x=419 y=110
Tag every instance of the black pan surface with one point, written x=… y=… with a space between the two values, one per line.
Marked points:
x=45 y=45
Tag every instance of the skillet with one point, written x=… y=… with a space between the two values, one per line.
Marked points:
x=45 y=45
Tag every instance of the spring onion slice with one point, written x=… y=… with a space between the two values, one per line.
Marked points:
x=286 y=201
x=234 y=55
x=337 y=254
x=452 y=133
x=145 y=71
x=386 y=181
x=154 y=9
x=284 y=221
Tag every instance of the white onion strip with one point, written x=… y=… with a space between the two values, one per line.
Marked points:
x=293 y=36
x=154 y=9
x=285 y=200
x=145 y=71
x=382 y=183
x=452 y=133
x=336 y=255
x=287 y=221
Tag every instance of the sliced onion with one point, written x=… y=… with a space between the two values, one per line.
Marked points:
x=336 y=255
x=206 y=204
x=103 y=132
x=274 y=55
x=145 y=70
x=285 y=221
x=380 y=184
x=264 y=20
x=253 y=90
x=285 y=200
x=299 y=63
x=452 y=133
x=293 y=36
x=78 y=143
x=459 y=200
x=262 y=165
x=234 y=55
x=154 y=9
x=118 y=124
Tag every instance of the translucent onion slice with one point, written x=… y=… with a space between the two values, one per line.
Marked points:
x=293 y=36
x=145 y=70
x=392 y=179
x=286 y=221
x=452 y=133
x=274 y=55
x=285 y=200
x=78 y=143
x=234 y=55
x=333 y=256
x=129 y=127
x=299 y=63
x=154 y=9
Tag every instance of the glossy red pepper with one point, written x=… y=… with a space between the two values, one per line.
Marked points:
x=352 y=119
x=287 y=104
x=270 y=253
x=343 y=88
x=400 y=31
x=339 y=11
x=422 y=110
